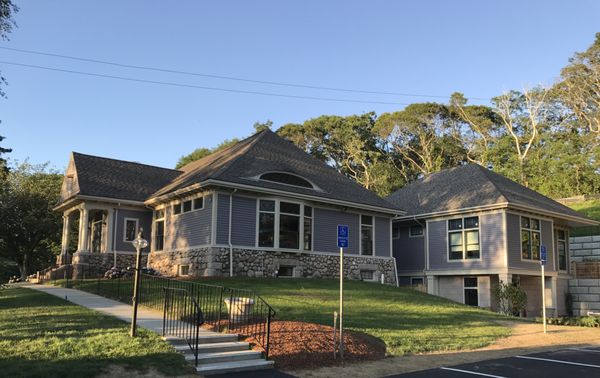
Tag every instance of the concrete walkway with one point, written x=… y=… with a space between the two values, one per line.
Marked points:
x=147 y=318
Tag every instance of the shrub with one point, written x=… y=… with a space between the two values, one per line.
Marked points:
x=511 y=298
x=578 y=321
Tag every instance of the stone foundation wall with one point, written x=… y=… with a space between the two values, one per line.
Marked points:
x=96 y=264
x=585 y=294
x=211 y=261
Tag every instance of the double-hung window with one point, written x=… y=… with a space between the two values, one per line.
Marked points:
x=530 y=238
x=159 y=229
x=283 y=224
x=131 y=229
x=561 y=247
x=463 y=238
x=366 y=235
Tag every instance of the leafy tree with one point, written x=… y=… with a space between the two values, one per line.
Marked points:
x=3 y=164
x=7 y=10
x=260 y=126
x=421 y=136
x=350 y=145
x=31 y=231
x=201 y=152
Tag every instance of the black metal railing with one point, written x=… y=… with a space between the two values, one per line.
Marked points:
x=182 y=317
x=223 y=309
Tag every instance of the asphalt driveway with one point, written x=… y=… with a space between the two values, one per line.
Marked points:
x=580 y=362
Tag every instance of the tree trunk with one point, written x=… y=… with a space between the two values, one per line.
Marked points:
x=24 y=266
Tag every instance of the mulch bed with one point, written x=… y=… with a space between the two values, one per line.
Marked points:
x=299 y=345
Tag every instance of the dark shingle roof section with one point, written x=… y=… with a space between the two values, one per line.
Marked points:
x=267 y=152
x=470 y=186
x=118 y=179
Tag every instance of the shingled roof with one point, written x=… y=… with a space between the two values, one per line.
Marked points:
x=264 y=152
x=471 y=186
x=118 y=179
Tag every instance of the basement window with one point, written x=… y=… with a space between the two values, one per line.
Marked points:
x=184 y=270
x=366 y=275
x=285 y=271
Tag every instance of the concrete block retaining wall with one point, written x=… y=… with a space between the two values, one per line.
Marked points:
x=585 y=248
x=586 y=295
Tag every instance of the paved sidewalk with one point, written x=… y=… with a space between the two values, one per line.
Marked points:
x=147 y=318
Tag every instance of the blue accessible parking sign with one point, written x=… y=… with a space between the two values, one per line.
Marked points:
x=543 y=255
x=342 y=236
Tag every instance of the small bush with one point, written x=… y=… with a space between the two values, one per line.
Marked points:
x=511 y=298
x=578 y=321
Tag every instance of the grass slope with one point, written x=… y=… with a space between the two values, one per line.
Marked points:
x=45 y=336
x=406 y=320
x=591 y=209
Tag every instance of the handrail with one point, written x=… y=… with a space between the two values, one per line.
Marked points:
x=176 y=317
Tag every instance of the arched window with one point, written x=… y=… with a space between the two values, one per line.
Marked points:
x=286 y=178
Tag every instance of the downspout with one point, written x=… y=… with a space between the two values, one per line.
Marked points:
x=229 y=234
x=114 y=237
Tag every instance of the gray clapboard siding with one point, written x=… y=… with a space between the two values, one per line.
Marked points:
x=409 y=252
x=188 y=229
x=144 y=221
x=243 y=223
x=491 y=244
x=382 y=236
x=223 y=219
x=325 y=230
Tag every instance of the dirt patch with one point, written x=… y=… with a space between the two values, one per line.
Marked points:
x=299 y=345
x=525 y=338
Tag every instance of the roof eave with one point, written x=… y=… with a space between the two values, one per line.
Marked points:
x=77 y=197
x=577 y=221
x=232 y=185
x=453 y=211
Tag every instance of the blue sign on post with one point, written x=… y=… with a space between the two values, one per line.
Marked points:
x=543 y=255
x=342 y=236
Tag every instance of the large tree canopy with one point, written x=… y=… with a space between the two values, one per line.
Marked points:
x=30 y=231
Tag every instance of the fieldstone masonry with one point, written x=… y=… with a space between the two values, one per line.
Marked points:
x=212 y=261
x=585 y=248
x=96 y=264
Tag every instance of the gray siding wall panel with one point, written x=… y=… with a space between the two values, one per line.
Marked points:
x=325 y=230
x=144 y=221
x=548 y=242
x=382 y=236
x=491 y=244
x=188 y=229
x=223 y=219
x=243 y=224
x=409 y=252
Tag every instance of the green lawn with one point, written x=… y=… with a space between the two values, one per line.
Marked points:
x=45 y=336
x=406 y=320
x=591 y=209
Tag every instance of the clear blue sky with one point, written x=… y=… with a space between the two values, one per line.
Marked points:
x=480 y=48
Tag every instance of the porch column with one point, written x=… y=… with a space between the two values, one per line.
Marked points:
x=83 y=230
x=432 y=285
x=65 y=239
x=505 y=278
x=554 y=295
x=108 y=243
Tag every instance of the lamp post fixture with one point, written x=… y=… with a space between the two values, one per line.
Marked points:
x=139 y=243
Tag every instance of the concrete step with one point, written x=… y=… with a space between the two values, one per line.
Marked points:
x=215 y=347
x=234 y=366
x=236 y=355
x=204 y=338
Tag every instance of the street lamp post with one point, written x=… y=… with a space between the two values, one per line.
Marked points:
x=139 y=243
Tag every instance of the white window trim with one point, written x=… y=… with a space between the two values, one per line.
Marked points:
x=179 y=266
x=373 y=276
x=200 y=208
x=180 y=202
x=276 y=230
x=137 y=228
x=464 y=240
x=566 y=240
x=471 y=287
x=416 y=236
x=531 y=260
x=360 y=224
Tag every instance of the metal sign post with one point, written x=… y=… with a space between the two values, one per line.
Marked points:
x=342 y=237
x=542 y=264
